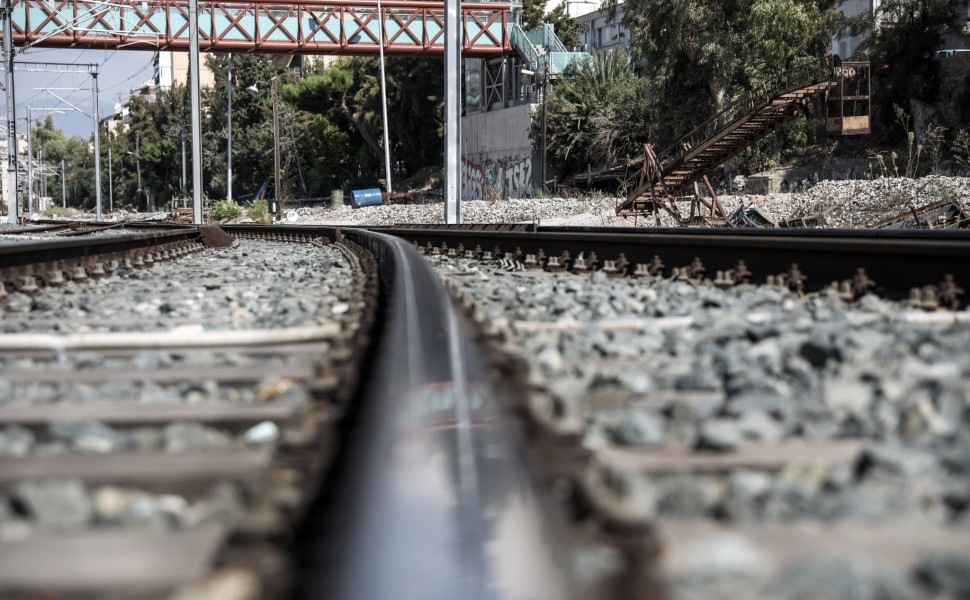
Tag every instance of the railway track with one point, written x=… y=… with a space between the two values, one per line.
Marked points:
x=733 y=440
x=322 y=423
x=168 y=427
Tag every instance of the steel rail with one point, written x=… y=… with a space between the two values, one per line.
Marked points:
x=29 y=253
x=897 y=261
x=436 y=502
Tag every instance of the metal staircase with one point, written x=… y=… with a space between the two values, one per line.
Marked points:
x=542 y=50
x=658 y=179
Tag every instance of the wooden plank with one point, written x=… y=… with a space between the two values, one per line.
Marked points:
x=759 y=457
x=129 y=413
x=132 y=561
x=29 y=230
x=686 y=397
x=135 y=467
x=173 y=375
x=188 y=338
x=629 y=324
x=317 y=347
x=893 y=545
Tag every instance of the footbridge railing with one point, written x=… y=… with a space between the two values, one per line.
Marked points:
x=350 y=27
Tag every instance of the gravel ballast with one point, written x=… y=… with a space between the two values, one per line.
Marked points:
x=262 y=288
x=649 y=364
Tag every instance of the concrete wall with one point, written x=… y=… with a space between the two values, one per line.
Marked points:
x=497 y=159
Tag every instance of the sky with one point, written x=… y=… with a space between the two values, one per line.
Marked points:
x=119 y=72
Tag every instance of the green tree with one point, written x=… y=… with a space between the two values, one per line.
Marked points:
x=567 y=28
x=597 y=112
x=533 y=14
x=252 y=128
x=345 y=100
x=152 y=136
x=902 y=40
x=700 y=55
x=55 y=146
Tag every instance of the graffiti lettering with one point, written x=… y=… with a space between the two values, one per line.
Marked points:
x=509 y=177
x=472 y=181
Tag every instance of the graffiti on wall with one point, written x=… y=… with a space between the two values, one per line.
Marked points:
x=509 y=177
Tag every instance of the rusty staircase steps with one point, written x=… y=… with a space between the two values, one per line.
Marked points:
x=729 y=140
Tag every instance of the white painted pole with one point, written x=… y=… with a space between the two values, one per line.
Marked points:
x=387 y=145
x=196 y=112
x=96 y=115
x=30 y=164
x=229 y=146
x=452 y=111
x=111 y=187
x=13 y=208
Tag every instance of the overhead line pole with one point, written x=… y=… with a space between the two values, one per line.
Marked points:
x=387 y=145
x=8 y=56
x=196 y=112
x=229 y=145
x=111 y=187
x=452 y=112
x=95 y=115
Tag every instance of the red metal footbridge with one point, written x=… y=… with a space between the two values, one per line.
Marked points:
x=337 y=27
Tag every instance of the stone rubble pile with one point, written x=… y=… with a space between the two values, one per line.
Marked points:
x=719 y=369
x=858 y=203
x=543 y=210
x=847 y=203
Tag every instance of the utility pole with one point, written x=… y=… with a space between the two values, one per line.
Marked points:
x=452 y=111
x=63 y=187
x=30 y=165
x=276 y=149
x=229 y=145
x=545 y=99
x=111 y=187
x=97 y=148
x=12 y=207
x=184 y=195
x=30 y=155
x=196 y=96
x=138 y=165
x=387 y=145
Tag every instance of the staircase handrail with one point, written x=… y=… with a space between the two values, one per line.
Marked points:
x=520 y=41
x=817 y=68
x=555 y=44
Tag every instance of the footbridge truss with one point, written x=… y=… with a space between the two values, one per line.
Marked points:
x=340 y=27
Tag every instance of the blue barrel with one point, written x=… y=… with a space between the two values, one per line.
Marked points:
x=370 y=197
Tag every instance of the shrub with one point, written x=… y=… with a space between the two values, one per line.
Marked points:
x=226 y=209
x=258 y=210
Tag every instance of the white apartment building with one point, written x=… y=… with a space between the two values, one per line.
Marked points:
x=846 y=43
x=603 y=33
x=21 y=163
x=173 y=67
